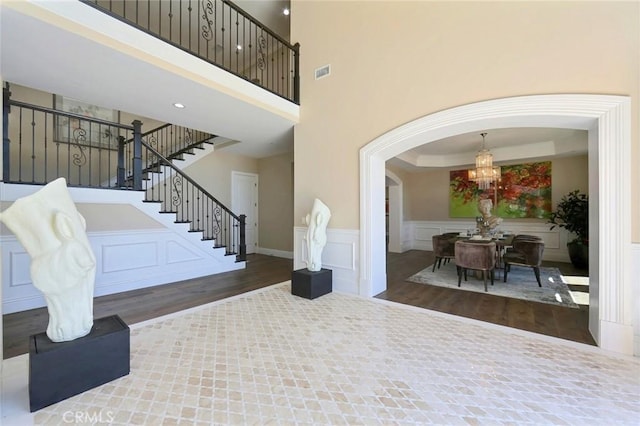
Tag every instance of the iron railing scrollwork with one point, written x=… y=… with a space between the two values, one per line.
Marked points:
x=219 y=32
x=179 y=194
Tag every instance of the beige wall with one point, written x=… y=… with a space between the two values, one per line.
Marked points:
x=426 y=194
x=213 y=173
x=115 y=217
x=393 y=62
x=103 y=217
x=276 y=202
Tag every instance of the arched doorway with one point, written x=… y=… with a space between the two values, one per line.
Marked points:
x=607 y=119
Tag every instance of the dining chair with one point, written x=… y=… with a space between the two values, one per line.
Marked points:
x=476 y=256
x=526 y=253
x=443 y=248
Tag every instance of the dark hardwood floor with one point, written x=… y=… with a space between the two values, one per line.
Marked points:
x=261 y=271
x=552 y=320
x=147 y=303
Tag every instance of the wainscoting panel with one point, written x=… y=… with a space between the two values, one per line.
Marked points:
x=126 y=260
x=340 y=254
x=19 y=268
x=419 y=233
x=125 y=257
x=178 y=253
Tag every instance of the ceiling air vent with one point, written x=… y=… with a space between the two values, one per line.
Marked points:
x=323 y=71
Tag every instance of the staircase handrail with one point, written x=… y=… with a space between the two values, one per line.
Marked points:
x=166 y=125
x=189 y=179
x=35 y=137
x=71 y=115
x=142 y=135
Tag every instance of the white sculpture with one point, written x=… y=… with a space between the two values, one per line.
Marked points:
x=317 y=222
x=63 y=266
x=489 y=222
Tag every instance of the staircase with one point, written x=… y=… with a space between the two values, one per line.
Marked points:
x=178 y=195
x=187 y=202
x=95 y=153
x=115 y=164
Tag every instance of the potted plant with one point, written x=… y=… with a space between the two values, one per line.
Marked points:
x=572 y=213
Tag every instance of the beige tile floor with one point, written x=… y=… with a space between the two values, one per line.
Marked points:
x=268 y=357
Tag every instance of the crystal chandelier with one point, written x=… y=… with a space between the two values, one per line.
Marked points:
x=484 y=173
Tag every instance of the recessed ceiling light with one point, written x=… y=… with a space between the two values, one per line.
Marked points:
x=178 y=105
x=286 y=11
x=239 y=47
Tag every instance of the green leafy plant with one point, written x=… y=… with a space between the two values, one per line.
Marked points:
x=572 y=213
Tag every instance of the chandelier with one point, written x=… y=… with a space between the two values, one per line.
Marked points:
x=485 y=173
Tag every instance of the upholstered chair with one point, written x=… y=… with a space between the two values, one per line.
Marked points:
x=443 y=248
x=476 y=256
x=527 y=253
x=525 y=237
x=522 y=237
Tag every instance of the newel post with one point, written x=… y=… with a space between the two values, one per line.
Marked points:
x=137 y=155
x=6 y=109
x=242 y=249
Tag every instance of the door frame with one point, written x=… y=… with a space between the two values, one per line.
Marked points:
x=396 y=215
x=234 y=202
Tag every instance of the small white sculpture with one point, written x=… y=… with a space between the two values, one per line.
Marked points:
x=317 y=222
x=63 y=266
x=488 y=222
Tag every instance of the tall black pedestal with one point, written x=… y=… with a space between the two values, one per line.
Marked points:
x=308 y=284
x=58 y=371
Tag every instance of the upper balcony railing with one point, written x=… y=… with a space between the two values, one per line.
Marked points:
x=220 y=33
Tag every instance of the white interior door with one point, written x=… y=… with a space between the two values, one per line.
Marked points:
x=244 y=200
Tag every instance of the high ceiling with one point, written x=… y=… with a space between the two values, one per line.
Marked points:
x=61 y=48
x=115 y=79
x=508 y=146
x=270 y=13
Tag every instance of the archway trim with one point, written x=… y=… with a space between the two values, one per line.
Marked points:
x=608 y=120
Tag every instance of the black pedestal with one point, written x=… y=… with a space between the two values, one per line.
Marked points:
x=58 y=371
x=308 y=284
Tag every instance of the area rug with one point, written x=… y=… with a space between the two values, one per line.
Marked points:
x=521 y=283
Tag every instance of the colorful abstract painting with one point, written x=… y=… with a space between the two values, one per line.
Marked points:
x=524 y=191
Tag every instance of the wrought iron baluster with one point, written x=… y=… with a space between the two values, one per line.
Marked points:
x=20 y=149
x=33 y=146
x=46 y=143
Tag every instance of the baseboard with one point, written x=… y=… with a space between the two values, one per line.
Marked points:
x=276 y=253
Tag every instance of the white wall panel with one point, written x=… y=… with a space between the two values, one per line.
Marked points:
x=124 y=257
x=126 y=260
x=177 y=253
x=19 y=268
x=340 y=254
